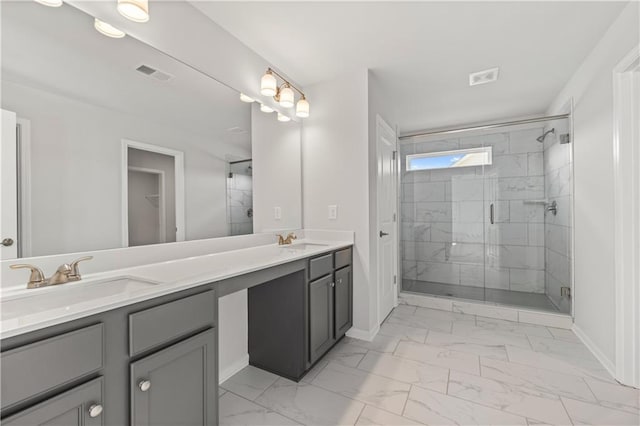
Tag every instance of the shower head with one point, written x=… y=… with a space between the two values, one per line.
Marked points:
x=544 y=135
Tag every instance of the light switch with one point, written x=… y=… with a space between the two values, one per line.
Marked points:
x=277 y=213
x=333 y=212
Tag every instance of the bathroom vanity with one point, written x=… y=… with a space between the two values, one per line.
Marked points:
x=153 y=358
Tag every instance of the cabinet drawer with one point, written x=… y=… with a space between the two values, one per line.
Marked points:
x=80 y=406
x=343 y=258
x=164 y=323
x=320 y=266
x=42 y=366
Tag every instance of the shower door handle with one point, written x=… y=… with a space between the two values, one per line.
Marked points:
x=491 y=213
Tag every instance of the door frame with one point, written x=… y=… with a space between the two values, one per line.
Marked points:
x=24 y=187
x=162 y=215
x=380 y=122
x=626 y=157
x=179 y=186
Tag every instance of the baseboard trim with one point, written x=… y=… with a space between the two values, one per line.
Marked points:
x=600 y=356
x=360 y=334
x=233 y=369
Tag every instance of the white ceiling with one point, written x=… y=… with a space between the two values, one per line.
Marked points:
x=423 y=51
x=58 y=50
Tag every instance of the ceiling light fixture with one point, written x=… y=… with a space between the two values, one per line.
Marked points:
x=107 y=29
x=245 y=98
x=283 y=118
x=283 y=94
x=134 y=10
x=266 y=109
x=50 y=3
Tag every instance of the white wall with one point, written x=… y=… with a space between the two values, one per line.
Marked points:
x=335 y=170
x=592 y=90
x=76 y=171
x=278 y=146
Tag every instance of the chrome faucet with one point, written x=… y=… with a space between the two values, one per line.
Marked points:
x=67 y=272
x=283 y=241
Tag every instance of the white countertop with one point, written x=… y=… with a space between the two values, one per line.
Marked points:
x=23 y=310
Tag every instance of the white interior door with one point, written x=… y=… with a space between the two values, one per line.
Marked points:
x=387 y=213
x=9 y=187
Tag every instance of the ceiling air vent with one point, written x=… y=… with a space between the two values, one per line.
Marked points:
x=483 y=77
x=152 y=72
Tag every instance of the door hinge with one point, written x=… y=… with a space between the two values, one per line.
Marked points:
x=394 y=217
x=394 y=154
x=395 y=279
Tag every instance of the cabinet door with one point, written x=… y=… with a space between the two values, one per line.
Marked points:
x=177 y=385
x=320 y=317
x=81 y=406
x=343 y=301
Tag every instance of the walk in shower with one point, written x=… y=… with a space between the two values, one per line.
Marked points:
x=486 y=214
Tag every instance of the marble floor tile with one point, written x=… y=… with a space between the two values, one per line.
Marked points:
x=421 y=322
x=583 y=413
x=513 y=327
x=372 y=416
x=537 y=379
x=442 y=357
x=346 y=354
x=443 y=315
x=616 y=396
x=380 y=343
x=404 y=332
x=467 y=344
x=309 y=404
x=508 y=397
x=563 y=334
x=565 y=349
x=492 y=336
x=315 y=370
x=235 y=410
x=576 y=367
x=249 y=382
x=407 y=371
x=405 y=309
x=434 y=408
x=373 y=390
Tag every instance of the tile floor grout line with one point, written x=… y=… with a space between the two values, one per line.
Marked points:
x=404 y=407
x=567 y=411
x=360 y=414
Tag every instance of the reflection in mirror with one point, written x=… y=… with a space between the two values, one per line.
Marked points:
x=118 y=143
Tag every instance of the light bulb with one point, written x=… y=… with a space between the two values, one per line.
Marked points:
x=268 y=84
x=283 y=118
x=302 y=108
x=107 y=29
x=266 y=109
x=134 y=10
x=245 y=98
x=286 y=97
x=50 y=3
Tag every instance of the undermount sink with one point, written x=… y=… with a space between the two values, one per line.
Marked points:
x=65 y=296
x=303 y=246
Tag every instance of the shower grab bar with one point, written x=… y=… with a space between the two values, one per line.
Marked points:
x=491 y=216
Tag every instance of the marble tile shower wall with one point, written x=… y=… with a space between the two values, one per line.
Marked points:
x=558 y=184
x=446 y=233
x=240 y=204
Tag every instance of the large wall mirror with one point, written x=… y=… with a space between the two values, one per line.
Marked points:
x=118 y=144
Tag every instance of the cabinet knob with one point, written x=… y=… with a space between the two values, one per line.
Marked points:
x=144 y=385
x=95 y=410
x=332 y=284
x=340 y=281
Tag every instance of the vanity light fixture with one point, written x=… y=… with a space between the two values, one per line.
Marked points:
x=107 y=29
x=245 y=98
x=266 y=109
x=50 y=3
x=283 y=118
x=134 y=10
x=283 y=94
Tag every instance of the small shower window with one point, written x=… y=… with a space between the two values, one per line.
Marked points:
x=449 y=159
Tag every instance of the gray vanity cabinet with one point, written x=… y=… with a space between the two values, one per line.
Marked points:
x=174 y=386
x=80 y=406
x=343 y=301
x=320 y=317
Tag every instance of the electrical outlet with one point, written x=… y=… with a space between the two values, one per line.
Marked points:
x=333 y=212
x=277 y=213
